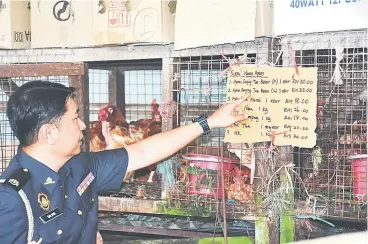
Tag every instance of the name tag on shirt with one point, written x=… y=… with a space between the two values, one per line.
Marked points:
x=53 y=214
x=85 y=183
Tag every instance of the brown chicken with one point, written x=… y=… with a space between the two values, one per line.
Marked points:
x=121 y=134
x=142 y=125
x=111 y=114
x=118 y=137
x=237 y=189
x=147 y=128
x=97 y=140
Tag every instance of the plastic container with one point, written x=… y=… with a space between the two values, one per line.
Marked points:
x=207 y=162
x=359 y=167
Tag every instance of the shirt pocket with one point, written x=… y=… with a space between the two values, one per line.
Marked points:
x=87 y=202
x=49 y=233
x=66 y=229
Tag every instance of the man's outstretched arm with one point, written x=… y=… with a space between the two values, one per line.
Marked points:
x=163 y=145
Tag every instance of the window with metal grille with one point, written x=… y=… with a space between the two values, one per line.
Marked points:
x=131 y=86
x=141 y=87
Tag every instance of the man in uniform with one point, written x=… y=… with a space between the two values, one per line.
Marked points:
x=48 y=194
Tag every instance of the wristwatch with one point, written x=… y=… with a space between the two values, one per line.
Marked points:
x=202 y=120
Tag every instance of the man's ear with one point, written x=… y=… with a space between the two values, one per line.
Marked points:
x=48 y=134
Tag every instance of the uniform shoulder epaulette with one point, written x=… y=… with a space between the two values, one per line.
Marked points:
x=17 y=179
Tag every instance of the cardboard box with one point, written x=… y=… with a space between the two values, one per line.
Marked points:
x=106 y=22
x=57 y=23
x=15 y=30
x=264 y=18
x=208 y=23
x=134 y=21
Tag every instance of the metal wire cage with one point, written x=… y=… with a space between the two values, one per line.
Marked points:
x=334 y=173
x=131 y=88
x=21 y=66
x=8 y=141
x=207 y=176
x=329 y=180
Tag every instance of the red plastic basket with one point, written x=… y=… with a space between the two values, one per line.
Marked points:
x=359 y=167
x=207 y=162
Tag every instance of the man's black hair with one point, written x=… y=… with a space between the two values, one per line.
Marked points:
x=34 y=104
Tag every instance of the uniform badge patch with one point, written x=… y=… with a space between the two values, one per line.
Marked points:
x=44 y=201
x=14 y=182
x=49 y=181
x=53 y=214
x=85 y=183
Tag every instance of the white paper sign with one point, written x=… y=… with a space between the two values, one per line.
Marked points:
x=306 y=16
x=213 y=22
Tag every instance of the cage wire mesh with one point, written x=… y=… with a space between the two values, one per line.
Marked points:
x=333 y=174
x=200 y=89
x=327 y=180
x=133 y=88
x=8 y=141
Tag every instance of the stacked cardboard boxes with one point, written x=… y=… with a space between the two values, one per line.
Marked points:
x=15 y=26
x=82 y=23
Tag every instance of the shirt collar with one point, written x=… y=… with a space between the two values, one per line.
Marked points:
x=40 y=172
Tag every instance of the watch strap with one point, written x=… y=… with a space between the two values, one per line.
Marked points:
x=202 y=120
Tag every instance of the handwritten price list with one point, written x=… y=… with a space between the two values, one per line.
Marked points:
x=280 y=101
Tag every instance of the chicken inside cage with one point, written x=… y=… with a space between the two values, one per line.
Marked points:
x=238 y=189
x=119 y=133
x=328 y=172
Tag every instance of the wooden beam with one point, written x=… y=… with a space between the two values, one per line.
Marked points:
x=120 y=204
x=154 y=231
x=45 y=69
x=167 y=96
x=80 y=82
x=136 y=52
x=265 y=228
x=120 y=90
x=112 y=86
x=287 y=222
x=176 y=94
x=167 y=90
x=153 y=66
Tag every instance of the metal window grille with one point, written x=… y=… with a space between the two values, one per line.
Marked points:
x=141 y=86
x=98 y=90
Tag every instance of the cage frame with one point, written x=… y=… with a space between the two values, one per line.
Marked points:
x=77 y=73
x=168 y=57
